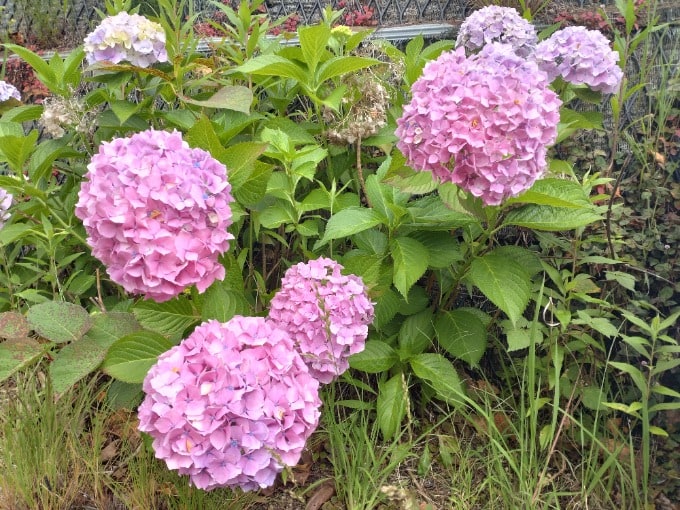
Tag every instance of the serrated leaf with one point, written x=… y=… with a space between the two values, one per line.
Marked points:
x=553 y=192
x=416 y=333
x=130 y=358
x=376 y=357
x=337 y=66
x=351 y=220
x=551 y=219
x=230 y=97
x=391 y=405
x=462 y=335
x=432 y=214
x=13 y=325
x=75 y=361
x=59 y=321
x=222 y=303
x=273 y=65
x=18 y=353
x=386 y=308
x=110 y=326
x=313 y=42
x=170 y=318
x=504 y=281
x=441 y=375
x=411 y=259
x=123 y=395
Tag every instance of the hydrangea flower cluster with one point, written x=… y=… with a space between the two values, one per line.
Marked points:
x=497 y=24
x=5 y=204
x=326 y=313
x=580 y=56
x=126 y=37
x=156 y=213
x=231 y=404
x=8 y=91
x=482 y=122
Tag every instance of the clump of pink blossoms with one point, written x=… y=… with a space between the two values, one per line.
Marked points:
x=126 y=37
x=8 y=91
x=231 y=404
x=494 y=23
x=326 y=313
x=5 y=204
x=156 y=213
x=483 y=122
x=580 y=56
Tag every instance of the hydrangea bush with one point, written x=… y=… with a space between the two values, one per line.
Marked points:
x=327 y=314
x=126 y=37
x=582 y=57
x=231 y=405
x=483 y=122
x=497 y=24
x=5 y=204
x=156 y=213
x=8 y=91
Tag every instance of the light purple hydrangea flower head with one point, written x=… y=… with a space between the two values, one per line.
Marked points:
x=231 y=404
x=497 y=24
x=580 y=56
x=327 y=314
x=156 y=213
x=126 y=37
x=8 y=91
x=483 y=122
x=5 y=204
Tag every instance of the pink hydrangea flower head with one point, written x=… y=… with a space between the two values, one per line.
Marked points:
x=126 y=37
x=8 y=91
x=156 y=213
x=580 y=56
x=231 y=405
x=326 y=313
x=497 y=24
x=5 y=204
x=483 y=122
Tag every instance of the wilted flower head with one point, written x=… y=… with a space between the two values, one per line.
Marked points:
x=5 y=204
x=580 y=56
x=483 y=122
x=126 y=37
x=156 y=213
x=497 y=24
x=326 y=313
x=8 y=91
x=60 y=112
x=231 y=404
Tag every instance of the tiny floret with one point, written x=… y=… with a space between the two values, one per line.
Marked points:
x=582 y=57
x=8 y=91
x=231 y=405
x=497 y=24
x=483 y=122
x=327 y=314
x=5 y=204
x=156 y=213
x=126 y=38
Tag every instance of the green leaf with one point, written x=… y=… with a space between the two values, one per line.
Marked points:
x=391 y=405
x=221 y=303
x=18 y=353
x=410 y=262
x=123 y=395
x=552 y=219
x=313 y=42
x=633 y=372
x=17 y=149
x=375 y=358
x=277 y=214
x=254 y=187
x=553 y=192
x=124 y=109
x=75 y=361
x=462 y=335
x=130 y=358
x=519 y=335
x=432 y=214
x=351 y=220
x=441 y=375
x=40 y=66
x=337 y=66
x=13 y=325
x=504 y=281
x=230 y=97
x=59 y=321
x=386 y=308
x=170 y=318
x=416 y=333
x=110 y=326
x=273 y=65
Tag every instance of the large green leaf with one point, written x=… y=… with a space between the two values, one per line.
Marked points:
x=430 y=213
x=504 y=281
x=110 y=326
x=351 y=220
x=552 y=219
x=221 y=303
x=18 y=353
x=391 y=405
x=337 y=66
x=416 y=333
x=411 y=259
x=441 y=375
x=59 y=321
x=170 y=318
x=462 y=335
x=554 y=192
x=230 y=97
x=313 y=42
x=274 y=65
x=130 y=358
x=375 y=358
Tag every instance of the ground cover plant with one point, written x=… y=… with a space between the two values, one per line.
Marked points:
x=338 y=274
